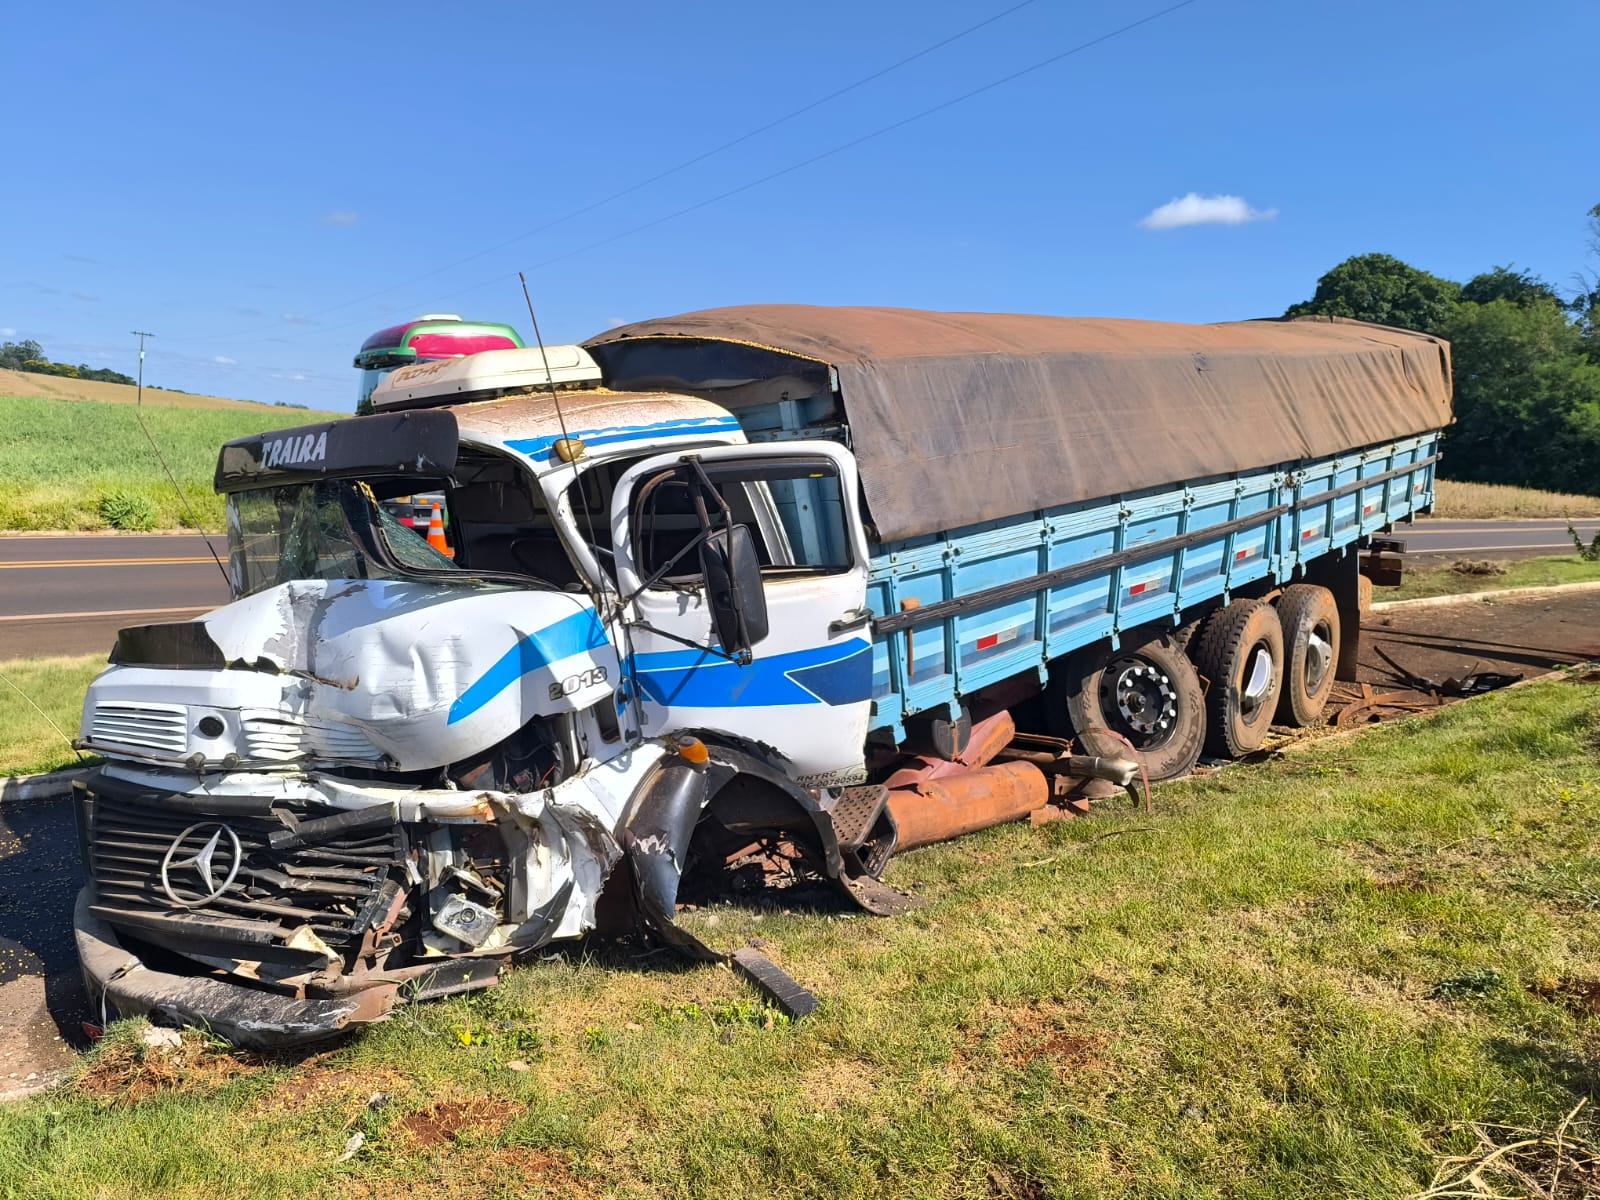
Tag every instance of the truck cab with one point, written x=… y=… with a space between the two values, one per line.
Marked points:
x=379 y=760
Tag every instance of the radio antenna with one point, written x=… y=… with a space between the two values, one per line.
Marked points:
x=561 y=420
x=610 y=615
x=182 y=499
x=549 y=377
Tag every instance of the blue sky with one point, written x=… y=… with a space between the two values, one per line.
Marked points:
x=263 y=186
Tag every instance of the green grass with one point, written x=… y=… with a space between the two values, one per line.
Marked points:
x=55 y=685
x=1527 y=572
x=58 y=459
x=1291 y=981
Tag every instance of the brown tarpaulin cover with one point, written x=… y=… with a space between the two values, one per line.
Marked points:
x=960 y=418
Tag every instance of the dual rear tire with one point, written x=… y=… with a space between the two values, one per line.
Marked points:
x=1239 y=649
x=1260 y=663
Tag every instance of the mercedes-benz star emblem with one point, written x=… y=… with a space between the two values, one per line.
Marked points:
x=203 y=861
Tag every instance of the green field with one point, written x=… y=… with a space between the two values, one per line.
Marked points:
x=59 y=458
x=1293 y=980
x=1527 y=572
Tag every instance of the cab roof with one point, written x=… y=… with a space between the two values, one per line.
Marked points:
x=605 y=421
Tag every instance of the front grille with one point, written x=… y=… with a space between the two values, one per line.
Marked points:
x=281 y=738
x=163 y=727
x=333 y=886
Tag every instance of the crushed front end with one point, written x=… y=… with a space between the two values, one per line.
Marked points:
x=378 y=774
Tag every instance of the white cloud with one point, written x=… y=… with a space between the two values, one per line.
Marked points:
x=616 y=322
x=297 y=319
x=341 y=218
x=297 y=377
x=1195 y=209
x=222 y=360
x=8 y=332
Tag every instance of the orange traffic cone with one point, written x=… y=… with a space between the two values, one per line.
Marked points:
x=436 y=532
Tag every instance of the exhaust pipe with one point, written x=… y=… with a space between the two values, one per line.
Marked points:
x=936 y=810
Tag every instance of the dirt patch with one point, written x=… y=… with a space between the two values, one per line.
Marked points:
x=312 y=1084
x=1513 y=636
x=1044 y=1031
x=446 y=1123
x=1582 y=996
x=1406 y=879
x=129 y=1072
x=497 y=1171
x=1065 y=1051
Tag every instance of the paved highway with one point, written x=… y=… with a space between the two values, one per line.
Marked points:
x=70 y=595
x=1429 y=540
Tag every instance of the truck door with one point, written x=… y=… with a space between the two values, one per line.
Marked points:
x=805 y=687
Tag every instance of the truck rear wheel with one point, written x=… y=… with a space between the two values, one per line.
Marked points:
x=1239 y=649
x=1310 y=621
x=1147 y=692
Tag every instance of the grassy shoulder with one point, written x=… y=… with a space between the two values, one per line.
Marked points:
x=1527 y=572
x=59 y=459
x=1292 y=981
x=57 y=686
x=1455 y=500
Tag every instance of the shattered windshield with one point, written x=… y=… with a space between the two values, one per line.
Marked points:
x=331 y=529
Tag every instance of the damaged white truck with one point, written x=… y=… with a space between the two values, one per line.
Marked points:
x=750 y=585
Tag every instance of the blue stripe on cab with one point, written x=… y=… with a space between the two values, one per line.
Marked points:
x=539 y=446
x=568 y=636
x=840 y=674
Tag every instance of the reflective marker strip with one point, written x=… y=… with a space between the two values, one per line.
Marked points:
x=991 y=640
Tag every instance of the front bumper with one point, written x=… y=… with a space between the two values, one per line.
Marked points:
x=119 y=982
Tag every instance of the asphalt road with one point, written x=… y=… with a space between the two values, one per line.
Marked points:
x=70 y=595
x=1429 y=540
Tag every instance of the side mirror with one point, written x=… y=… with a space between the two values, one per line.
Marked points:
x=733 y=589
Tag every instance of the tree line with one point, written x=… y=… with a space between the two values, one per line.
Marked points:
x=28 y=355
x=1526 y=361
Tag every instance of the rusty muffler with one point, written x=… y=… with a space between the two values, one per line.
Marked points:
x=936 y=810
x=989 y=737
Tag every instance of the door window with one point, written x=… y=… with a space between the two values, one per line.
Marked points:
x=793 y=507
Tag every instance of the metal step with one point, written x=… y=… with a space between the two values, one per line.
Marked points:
x=855 y=812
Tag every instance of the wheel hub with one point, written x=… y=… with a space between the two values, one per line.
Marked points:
x=1258 y=680
x=1144 y=698
x=1319 y=653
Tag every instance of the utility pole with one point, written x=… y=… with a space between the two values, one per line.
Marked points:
x=141 y=335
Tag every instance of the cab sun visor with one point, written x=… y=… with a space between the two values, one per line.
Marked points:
x=404 y=443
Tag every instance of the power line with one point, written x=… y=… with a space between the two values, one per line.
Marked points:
x=812 y=160
x=867 y=137
x=670 y=171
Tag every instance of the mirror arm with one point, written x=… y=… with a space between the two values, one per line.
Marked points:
x=660 y=572
x=700 y=493
x=743 y=658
